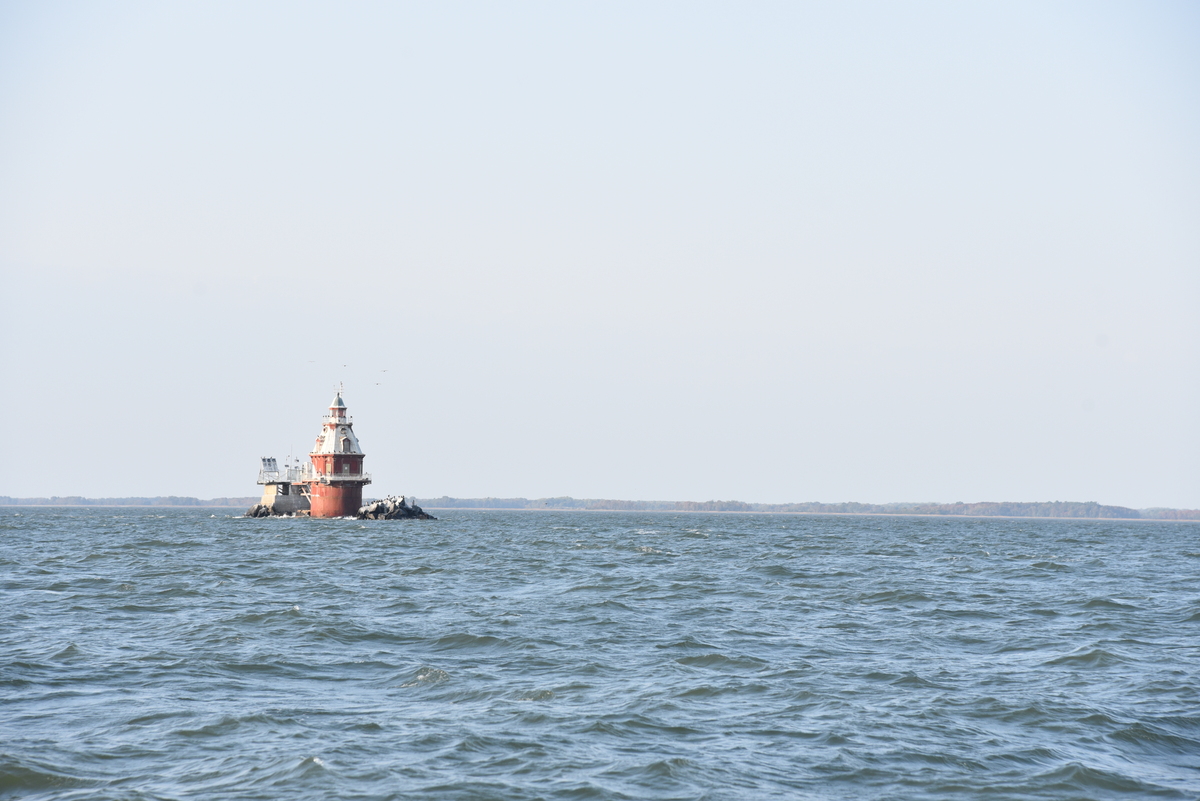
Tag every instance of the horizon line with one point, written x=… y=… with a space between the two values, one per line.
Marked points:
x=1027 y=509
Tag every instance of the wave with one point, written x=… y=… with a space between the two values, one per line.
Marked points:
x=718 y=661
x=24 y=777
x=1108 y=603
x=1093 y=658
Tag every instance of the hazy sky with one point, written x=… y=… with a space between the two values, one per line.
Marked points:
x=769 y=251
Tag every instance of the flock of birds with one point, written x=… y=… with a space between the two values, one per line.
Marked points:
x=346 y=366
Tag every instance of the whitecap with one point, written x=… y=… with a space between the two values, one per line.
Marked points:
x=427 y=675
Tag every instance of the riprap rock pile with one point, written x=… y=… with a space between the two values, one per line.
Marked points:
x=393 y=508
x=265 y=510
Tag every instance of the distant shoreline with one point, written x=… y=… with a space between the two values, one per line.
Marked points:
x=931 y=515
x=124 y=505
x=1089 y=510
x=164 y=502
x=1049 y=510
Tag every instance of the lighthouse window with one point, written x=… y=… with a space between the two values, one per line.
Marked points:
x=345 y=444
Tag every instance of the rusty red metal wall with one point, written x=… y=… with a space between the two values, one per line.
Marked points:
x=335 y=500
x=332 y=465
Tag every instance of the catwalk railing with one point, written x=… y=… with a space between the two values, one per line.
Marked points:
x=293 y=475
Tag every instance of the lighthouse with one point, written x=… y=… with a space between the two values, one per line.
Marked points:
x=336 y=480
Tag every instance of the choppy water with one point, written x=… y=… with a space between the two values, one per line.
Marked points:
x=152 y=655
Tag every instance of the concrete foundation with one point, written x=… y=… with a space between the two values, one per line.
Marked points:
x=281 y=499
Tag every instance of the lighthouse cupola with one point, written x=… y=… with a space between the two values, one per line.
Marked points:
x=337 y=479
x=338 y=407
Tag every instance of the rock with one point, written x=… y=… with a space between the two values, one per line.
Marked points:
x=390 y=508
x=393 y=508
x=263 y=510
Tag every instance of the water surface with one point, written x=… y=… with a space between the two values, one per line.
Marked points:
x=149 y=654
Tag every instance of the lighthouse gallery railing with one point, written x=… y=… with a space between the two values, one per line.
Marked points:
x=293 y=475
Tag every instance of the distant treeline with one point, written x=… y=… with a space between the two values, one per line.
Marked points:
x=168 y=500
x=1073 y=509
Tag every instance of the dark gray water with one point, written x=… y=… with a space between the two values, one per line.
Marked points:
x=151 y=655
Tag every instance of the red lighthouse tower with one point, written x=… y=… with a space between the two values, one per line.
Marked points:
x=335 y=485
